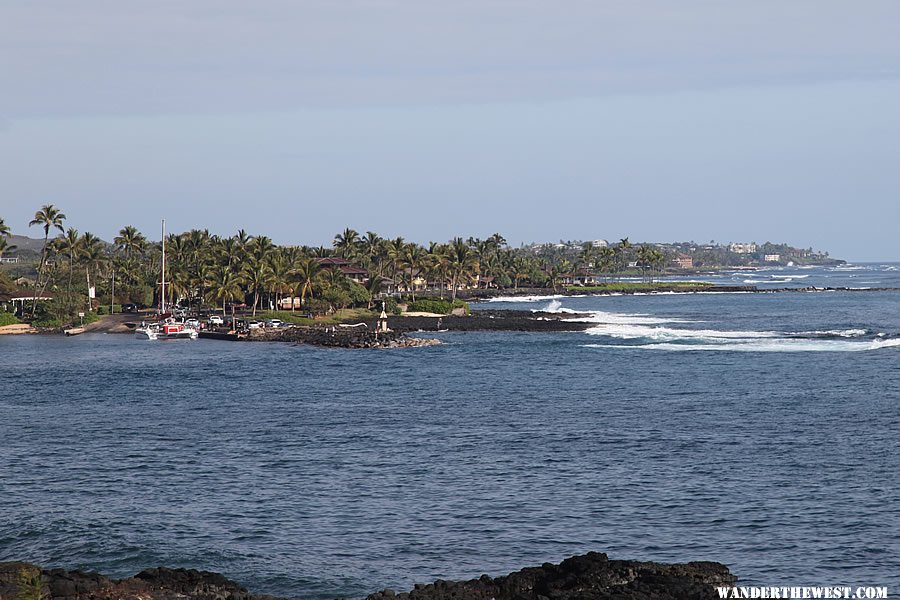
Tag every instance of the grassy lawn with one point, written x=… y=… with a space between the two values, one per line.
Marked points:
x=344 y=315
x=632 y=286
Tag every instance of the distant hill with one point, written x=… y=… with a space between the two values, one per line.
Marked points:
x=25 y=245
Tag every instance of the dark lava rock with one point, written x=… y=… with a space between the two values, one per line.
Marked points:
x=589 y=577
x=28 y=582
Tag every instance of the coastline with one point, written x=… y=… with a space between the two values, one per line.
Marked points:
x=592 y=576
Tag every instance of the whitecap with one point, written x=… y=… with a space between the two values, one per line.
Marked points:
x=767 y=345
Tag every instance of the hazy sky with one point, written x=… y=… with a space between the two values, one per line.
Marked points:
x=659 y=120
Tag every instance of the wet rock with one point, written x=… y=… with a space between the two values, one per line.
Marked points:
x=589 y=577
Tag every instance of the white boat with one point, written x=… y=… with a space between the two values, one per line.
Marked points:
x=166 y=328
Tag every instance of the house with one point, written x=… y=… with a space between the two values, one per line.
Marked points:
x=742 y=248
x=352 y=272
x=684 y=261
x=772 y=258
x=599 y=243
x=582 y=277
x=21 y=298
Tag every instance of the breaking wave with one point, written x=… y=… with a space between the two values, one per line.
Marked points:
x=638 y=331
x=770 y=345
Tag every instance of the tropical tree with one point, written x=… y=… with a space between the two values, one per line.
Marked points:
x=257 y=275
x=49 y=217
x=92 y=255
x=347 y=242
x=306 y=272
x=461 y=261
x=224 y=285
x=5 y=246
x=4 y=228
x=130 y=241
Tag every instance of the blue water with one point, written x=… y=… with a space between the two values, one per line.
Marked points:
x=756 y=430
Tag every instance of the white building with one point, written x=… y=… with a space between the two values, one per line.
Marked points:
x=772 y=258
x=742 y=248
x=599 y=243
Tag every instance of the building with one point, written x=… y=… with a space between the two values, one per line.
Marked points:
x=742 y=248
x=684 y=261
x=346 y=267
x=772 y=258
x=599 y=243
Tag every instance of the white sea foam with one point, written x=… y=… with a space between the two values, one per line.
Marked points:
x=555 y=306
x=789 y=276
x=768 y=345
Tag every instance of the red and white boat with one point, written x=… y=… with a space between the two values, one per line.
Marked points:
x=166 y=328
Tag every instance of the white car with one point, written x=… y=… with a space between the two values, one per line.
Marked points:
x=216 y=320
x=254 y=325
x=275 y=323
x=193 y=323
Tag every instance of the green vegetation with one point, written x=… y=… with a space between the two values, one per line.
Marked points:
x=437 y=306
x=30 y=584
x=8 y=319
x=340 y=316
x=104 y=309
x=357 y=272
x=633 y=286
x=47 y=323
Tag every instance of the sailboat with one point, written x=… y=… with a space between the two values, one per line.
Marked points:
x=165 y=327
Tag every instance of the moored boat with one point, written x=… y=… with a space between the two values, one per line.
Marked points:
x=167 y=329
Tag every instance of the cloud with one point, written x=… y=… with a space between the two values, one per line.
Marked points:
x=104 y=57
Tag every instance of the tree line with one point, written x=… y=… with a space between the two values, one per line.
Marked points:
x=211 y=270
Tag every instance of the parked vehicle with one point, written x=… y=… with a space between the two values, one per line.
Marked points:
x=254 y=325
x=275 y=323
x=216 y=320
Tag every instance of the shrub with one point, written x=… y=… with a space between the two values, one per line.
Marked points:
x=8 y=319
x=47 y=323
x=436 y=305
x=103 y=309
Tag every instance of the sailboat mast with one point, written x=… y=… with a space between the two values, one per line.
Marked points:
x=162 y=302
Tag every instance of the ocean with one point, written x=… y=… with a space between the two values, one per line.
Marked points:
x=757 y=430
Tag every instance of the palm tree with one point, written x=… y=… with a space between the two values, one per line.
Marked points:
x=130 y=240
x=346 y=242
x=623 y=249
x=93 y=256
x=48 y=217
x=224 y=285
x=411 y=258
x=70 y=246
x=258 y=276
x=462 y=263
x=4 y=228
x=306 y=272
x=5 y=246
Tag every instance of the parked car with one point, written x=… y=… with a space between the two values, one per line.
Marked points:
x=195 y=323
x=275 y=323
x=129 y=308
x=216 y=320
x=254 y=325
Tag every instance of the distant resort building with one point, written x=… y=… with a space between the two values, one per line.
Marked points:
x=772 y=258
x=742 y=248
x=684 y=261
x=346 y=267
x=599 y=243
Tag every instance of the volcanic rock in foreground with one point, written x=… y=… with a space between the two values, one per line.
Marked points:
x=589 y=577
x=25 y=581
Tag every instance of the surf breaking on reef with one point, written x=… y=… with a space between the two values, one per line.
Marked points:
x=649 y=332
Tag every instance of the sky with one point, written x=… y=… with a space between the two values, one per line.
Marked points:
x=770 y=120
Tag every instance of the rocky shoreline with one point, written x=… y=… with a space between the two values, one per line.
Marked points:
x=591 y=576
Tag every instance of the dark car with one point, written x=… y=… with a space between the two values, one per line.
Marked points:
x=129 y=308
